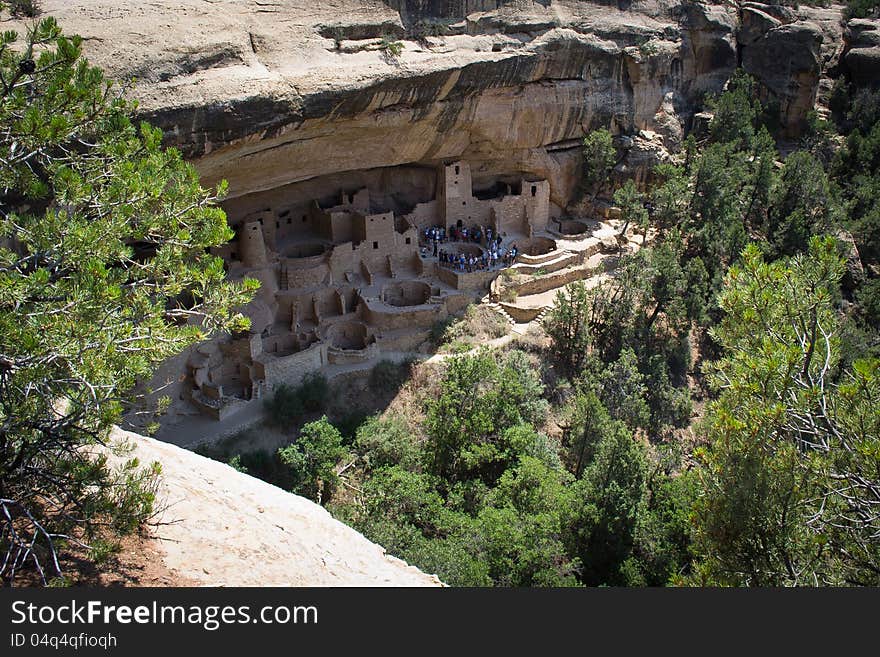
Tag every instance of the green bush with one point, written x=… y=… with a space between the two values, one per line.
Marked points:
x=391 y=47
x=387 y=376
x=284 y=407
x=24 y=8
x=471 y=422
x=312 y=460
x=440 y=330
x=428 y=28
x=133 y=499
x=600 y=156
x=387 y=442
x=862 y=8
x=288 y=404
x=313 y=392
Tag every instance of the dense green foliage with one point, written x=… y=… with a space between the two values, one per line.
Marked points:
x=791 y=472
x=600 y=156
x=104 y=273
x=633 y=335
x=484 y=498
x=288 y=404
x=568 y=328
x=312 y=460
x=862 y=8
x=631 y=204
x=475 y=422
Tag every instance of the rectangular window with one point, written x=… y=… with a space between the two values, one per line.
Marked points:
x=375 y=245
x=408 y=241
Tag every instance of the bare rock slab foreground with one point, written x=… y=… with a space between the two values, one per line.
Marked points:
x=220 y=527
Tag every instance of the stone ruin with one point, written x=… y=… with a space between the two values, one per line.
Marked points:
x=345 y=284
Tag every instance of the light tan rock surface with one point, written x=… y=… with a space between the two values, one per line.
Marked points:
x=220 y=527
x=259 y=93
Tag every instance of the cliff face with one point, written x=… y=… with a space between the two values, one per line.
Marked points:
x=266 y=94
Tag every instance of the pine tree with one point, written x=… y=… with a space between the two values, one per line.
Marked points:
x=104 y=273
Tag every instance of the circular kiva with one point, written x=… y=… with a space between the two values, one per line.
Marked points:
x=463 y=247
x=348 y=335
x=406 y=293
x=536 y=246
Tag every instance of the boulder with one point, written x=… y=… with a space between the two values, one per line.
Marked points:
x=755 y=22
x=854 y=274
x=700 y=124
x=708 y=45
x=862 y=53
x=786 y=63
x=609 y=244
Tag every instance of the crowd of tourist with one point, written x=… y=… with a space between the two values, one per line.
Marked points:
x=493 y=254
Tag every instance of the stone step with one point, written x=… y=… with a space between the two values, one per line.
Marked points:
x=500 y=310
x=560 y=261
x=526 y=259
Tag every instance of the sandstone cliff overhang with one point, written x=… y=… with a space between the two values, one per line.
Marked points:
x=267 y=94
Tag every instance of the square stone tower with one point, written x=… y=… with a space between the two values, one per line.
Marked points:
x=537 y=199
x=455 y=194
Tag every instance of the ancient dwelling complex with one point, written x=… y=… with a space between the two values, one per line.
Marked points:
x=348 y=283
